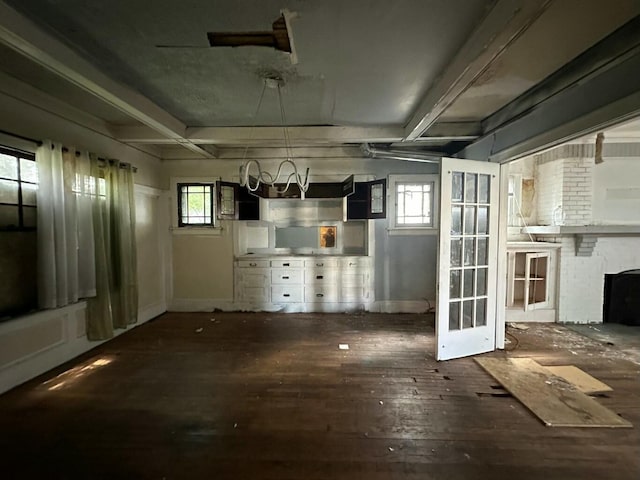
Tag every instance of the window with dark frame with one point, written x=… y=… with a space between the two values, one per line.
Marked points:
x=414 y=201
x=195 y=205
x=18 y=188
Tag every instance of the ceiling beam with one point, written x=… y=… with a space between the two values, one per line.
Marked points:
x=22 y=35
x=593 y=92
x=506 y=21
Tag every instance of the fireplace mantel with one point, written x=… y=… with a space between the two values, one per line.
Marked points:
x=586 y=236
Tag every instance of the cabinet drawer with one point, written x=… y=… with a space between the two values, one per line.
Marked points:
x=321 y=263
x=288 y=276
x=255 y=278
x=253 y=263
x=312 y=275
x=286 y=294
x=354 y=279
x=286 y=263
x=355 y=262
x=321 y=293
x=255 y=294
x=354 y=294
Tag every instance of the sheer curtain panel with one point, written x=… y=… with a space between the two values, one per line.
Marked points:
x=66 y=247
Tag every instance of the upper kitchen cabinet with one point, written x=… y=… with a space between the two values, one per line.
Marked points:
x=236 y=203
x=369 y=200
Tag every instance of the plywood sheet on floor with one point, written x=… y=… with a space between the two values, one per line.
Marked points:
x=581 y=379
x=552 y=399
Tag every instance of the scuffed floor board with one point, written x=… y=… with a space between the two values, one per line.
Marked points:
x=552 y=399
x=581 y=379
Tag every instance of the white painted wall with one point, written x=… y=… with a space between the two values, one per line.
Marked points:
x=616 y=192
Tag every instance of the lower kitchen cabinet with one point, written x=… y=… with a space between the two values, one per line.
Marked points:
x=304 y=284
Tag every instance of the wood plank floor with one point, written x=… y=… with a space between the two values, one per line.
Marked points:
x=267 y=396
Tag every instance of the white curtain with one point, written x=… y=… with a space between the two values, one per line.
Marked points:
x=116 y=305
x=66 y=266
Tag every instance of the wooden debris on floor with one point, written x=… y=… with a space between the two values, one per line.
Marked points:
x=552 y=399
x=581 y=379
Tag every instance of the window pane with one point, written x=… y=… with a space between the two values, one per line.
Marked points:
x=29 y=194
x=467 y=314
x=481 y=312
x=195 y=203
x=8 y=191
x=470 y=188
x=8 y=166
x=28 y=170
x=454 y=316
x=483 y=189
x=8 y=216
x=29 y=217
x=456 y=186
x=454 y=285
x=227 y=206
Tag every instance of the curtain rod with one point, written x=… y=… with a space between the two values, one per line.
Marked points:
x=112 y=161
x=21 y=137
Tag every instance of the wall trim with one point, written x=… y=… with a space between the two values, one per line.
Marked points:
x=151 y=311
x=201 y=305
x=587 y=150
x=146 y=190
x=402 y=306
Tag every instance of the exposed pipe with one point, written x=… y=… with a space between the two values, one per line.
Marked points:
x=427 y=157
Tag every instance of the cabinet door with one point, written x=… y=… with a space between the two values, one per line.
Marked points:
x=248 y=205
x=227 y=200
x=536 y=286
x=369 y=200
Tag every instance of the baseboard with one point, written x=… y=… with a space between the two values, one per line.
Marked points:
x=402 y=306
x=201 y=305
x=151 y=311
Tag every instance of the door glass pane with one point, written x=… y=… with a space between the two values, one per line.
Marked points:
x=456 y=220
x=483 y=189
x=467 y=314
x=456 y=252
x=481 y=312
x=470 y=188
x=469 y=220
x=454 y=315
x=469 y=273
x=376 y=198
x=483 y=217
x=454 y=285
x=469 y=252
x=483 y=245
x=227 y=200
x=456 y=186
x=481 y=282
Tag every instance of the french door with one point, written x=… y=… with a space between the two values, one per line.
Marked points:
x=467 y=258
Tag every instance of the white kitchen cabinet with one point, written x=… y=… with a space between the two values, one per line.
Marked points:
x=531 y=281
x=304 y=283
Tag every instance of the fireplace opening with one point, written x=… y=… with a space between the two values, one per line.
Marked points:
x=622 y=298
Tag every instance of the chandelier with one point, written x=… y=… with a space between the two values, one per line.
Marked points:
x=262 y=177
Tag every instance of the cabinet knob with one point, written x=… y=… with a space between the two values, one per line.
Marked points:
x=285 y=264
x=286 y=295
x=285 y=277
x=253 y=264
x=319 y=264
x=319 y=294
x=319 y=277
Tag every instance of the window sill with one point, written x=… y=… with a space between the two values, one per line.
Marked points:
x=198 y=231
x=413 y=231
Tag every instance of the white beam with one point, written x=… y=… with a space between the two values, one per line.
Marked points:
x=506 y=21
x=23 y=36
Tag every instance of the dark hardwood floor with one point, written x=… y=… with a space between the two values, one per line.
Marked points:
x=267 y=396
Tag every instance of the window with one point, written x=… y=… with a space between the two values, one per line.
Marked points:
x=18 y=187
x=514 y=200
x=414 y=202
x=195 y=205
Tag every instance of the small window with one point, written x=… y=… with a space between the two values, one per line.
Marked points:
x=18 y=188
x=414 y=205
x=195 y=205
x=514 y=201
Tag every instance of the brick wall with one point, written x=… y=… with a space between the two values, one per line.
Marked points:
x=548 y=182
x=577 y=190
